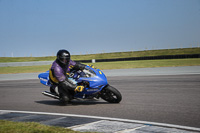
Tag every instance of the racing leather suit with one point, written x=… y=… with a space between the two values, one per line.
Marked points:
x=58 y=77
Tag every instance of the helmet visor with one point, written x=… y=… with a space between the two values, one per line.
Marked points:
x=64 y=60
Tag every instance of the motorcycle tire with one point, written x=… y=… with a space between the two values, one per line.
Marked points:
x=111 y=94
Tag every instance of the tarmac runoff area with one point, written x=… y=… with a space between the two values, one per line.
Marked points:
x=87 y=123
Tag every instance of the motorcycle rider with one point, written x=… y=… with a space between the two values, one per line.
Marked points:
x=58 y=76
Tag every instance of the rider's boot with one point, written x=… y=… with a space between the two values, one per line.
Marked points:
x=52 y=90
x=65 y=96
x=64 y=99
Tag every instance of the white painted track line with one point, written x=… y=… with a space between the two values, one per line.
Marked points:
x=109 y=119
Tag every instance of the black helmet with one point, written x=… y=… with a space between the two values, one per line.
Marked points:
x=63 y=56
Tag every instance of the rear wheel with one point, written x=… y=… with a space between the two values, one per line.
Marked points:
x=111 y=95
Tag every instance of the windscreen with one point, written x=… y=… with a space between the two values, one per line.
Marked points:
x=88 y=73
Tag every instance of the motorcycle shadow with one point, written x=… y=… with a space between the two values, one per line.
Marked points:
x=75 y=102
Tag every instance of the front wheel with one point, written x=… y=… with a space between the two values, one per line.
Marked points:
x=111 y=94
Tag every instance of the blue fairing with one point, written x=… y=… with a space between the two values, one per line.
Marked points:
x=96 y=78
x=44 y=78
x=96 y=82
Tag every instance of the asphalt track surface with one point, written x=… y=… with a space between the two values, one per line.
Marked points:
x=172 y=99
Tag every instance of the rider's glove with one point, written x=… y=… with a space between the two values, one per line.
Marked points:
x=79 y=66
x=79 y=89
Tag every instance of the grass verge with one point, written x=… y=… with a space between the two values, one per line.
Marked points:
x=112 y=65
x=30 y=127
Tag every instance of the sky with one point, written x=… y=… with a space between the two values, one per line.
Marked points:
x=42 y=27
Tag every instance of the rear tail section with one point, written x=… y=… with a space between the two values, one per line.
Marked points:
x=44 y=78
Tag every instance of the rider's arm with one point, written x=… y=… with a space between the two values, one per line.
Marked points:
x=63 y=81
x=58 y=73
x=77 y=65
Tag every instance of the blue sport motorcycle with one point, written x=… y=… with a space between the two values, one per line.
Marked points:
x=94 y=81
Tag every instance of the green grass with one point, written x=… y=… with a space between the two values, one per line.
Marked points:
x=30 y=127
x=112 y=65
x=138 y=54
x=108 y=55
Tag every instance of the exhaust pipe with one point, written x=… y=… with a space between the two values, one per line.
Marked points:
x=49 y=94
